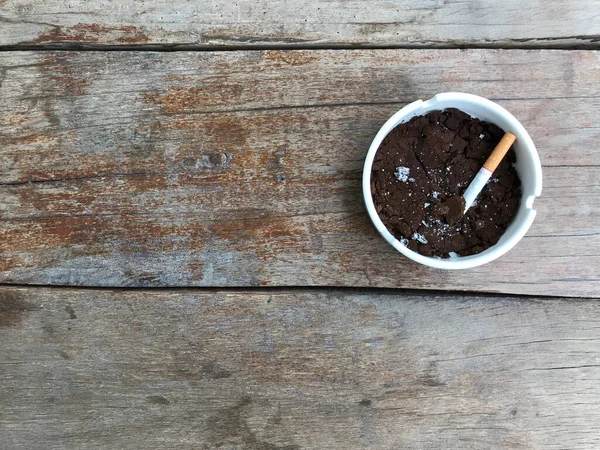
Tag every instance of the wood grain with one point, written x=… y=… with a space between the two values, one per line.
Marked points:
x=273 y=370
x=243 y=168
x=206 y=24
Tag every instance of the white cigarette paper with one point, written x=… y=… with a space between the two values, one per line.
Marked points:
x=476 y=186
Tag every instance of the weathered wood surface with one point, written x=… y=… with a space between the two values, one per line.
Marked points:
x=301 y=23
x=243 y=168
x=278 y=370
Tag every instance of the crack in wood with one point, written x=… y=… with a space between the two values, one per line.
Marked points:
x=87 y=177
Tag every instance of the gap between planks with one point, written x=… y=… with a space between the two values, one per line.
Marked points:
x=268 y=290
x=559 y=43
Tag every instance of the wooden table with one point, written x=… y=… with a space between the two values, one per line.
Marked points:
x=187 y=262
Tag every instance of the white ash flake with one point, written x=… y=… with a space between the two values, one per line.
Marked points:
x=481 y=136
x=435 y=194
x=411 y=179
x=425 y=223
x=427 y=205
x=402 y=173
x=404 y=241
x=419 y=237
x=441 y=228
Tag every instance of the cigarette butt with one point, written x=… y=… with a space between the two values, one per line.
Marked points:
x=500 y=151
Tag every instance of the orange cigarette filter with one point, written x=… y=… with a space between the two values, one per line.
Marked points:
x=499 y=152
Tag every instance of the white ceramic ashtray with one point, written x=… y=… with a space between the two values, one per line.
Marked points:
x=527 y=166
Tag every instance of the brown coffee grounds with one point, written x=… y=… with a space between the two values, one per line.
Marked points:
x=419 y=169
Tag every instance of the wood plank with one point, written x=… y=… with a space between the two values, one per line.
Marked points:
x=304 y=23
x=296 y=370
x=243 y=168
